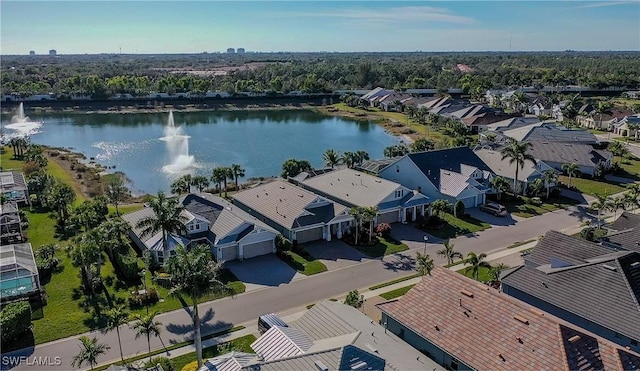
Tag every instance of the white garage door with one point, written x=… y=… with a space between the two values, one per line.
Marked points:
x=391 y=217
x=309 y=235
x=469 y=202
x=229 y=253
x=257 y=249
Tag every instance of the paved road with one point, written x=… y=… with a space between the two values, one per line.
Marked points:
x=248 y=306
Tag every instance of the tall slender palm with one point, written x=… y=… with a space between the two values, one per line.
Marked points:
x=633 y=191
x=219 y=175
x=348 y=158
x=517 y=152
x=475 y=262
x=361 y=156
x=424 y=264
x=549 y=177
x=617 y=203
x=85 y=254
x=496 y=269
x=90 y=350
x=200 y=182
x=500 y=185
x=167 y=219
x=368 y=216
x=238 y=172
x=331 y=158
x=603 y=203
x=146 y=325
x=194 y=274
x=448 y=252
x=356 y=213
x=180 y=186
x=571 y=170
x=116 y=317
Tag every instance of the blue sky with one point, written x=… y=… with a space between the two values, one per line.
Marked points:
x=78 y=27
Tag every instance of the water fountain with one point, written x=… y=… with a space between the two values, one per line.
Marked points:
x=178 y=147
x=22 y=125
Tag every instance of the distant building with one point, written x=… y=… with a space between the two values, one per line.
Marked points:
x=240 y=51
x=53 y=52
x=231 y=51
x=32 y=52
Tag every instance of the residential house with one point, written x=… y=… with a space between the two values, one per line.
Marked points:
x=330 y=336
x=19 y=277
x=556 y=154
x=599 y=121
x=14 y=187
x=624 y=233
x=230 y=232
x=372 y=97
x=300 y=215
x=395 y=203
x=539 y=105
x=480 y=122
x=393 y=101
x=550 y=133
x=465 y=325
x=494 y=97
x=629 y=126
x=502 y=167
x=10 y=224
x=452 y=174
x=592 y=286
x=512 y=123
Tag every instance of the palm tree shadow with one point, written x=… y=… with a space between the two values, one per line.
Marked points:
x=207 y=326
x=401 y=262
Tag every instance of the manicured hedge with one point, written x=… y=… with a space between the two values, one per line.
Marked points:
x=15 y=320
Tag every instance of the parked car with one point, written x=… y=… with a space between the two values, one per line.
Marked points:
x=494 y=208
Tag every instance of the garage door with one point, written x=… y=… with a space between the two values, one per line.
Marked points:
x=391 y=217
x=229 y=253
x=309 y=235
x=469 y=202
x=257 y=249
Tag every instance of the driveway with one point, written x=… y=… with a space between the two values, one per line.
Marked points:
x=334 y=254
x=263 y=271
x=492 y=219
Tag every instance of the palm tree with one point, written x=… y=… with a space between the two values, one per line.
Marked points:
x=167 y=219
x=475 y=262
x=194 y=274
x=348 y=159
x=238 y=172
x=519 y=99
x=448 y=252
x=496 y=269
x=331 y=158
x=517 y=152
x=85 y=254
x=180 y=186
x=424 y=264
x=368 y=215
x=59 y=197
x=602 y=107
x=438 y=207
x=228 y=175
x=113 y=234
x=549 y=177
x=633 y=192
x=90 y=350
x=571 y=170
x=361 y=156
x=501 y=185
x=421 y=145
x=356 y=213
x=617 y=203
x=117 y=317
x=603 y=203
x=146 y=325
x=219 y=175
x=200 y=182
x=116 y=191
x=618 y=149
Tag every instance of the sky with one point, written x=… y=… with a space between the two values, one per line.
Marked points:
x=80 y=27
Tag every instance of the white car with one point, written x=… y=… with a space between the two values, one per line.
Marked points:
x=494 y=208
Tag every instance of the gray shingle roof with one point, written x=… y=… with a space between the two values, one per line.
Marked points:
x=512 y=123
x=551 y=133
x=354 y=187
x=288 y=205
x=627 y=239
x=581 y=154
x=503 y=168
x=134 y=217
x=625 y=221
x=589 y=281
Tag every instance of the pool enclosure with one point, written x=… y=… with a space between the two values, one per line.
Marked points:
x=18 y=272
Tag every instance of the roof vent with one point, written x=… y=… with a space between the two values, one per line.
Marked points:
x=356 y=174
x=300 y=195
x=371 y=348
x=321 y=366
x=359 y=365
x=610 y=267
x=635 y=265
x=281 y=187
x=466 y=293
x=521 y=319
x=574 y=338
x=378 y=181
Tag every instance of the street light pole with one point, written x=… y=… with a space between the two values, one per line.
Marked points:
x=425 y=244
x=144 y=280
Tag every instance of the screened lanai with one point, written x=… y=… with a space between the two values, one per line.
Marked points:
x=18 y=271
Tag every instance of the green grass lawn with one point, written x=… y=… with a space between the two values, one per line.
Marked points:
x=484 y=274
x=241 y=344
x=383 y=246
x=392 y=282
x=458 y=227
x=631 y=166
x=523 y=209
x=593 y=187
x=396 y=293
x=304 y=263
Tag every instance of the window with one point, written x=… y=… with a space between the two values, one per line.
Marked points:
x=191 y=227
x=454 y=364
x=197 y=226
x=399 y=193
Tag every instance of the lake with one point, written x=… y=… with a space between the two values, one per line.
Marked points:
x=260 y=141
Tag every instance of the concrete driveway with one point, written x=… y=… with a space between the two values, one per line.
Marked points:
x=263 y=271
x=334 y=254
x=492 y=219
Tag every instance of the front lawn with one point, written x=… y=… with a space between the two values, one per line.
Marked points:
x=593 y=187
x=523 y=208
x=396 y=293
x=631 y=167
x=484 y=274
x=302 y=261
x=241 y=344
x=381 y=246
x=458 y=227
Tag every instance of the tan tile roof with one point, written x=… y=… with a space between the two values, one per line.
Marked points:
x=478 y=325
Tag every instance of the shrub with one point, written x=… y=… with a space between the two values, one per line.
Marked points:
x=15 y=320
x=383 y=229
x=283 y=244
x=127 y=266
x=354 y=299
x=458 y=209
x=592 y=234
x=164 y=362
x=139 y=300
